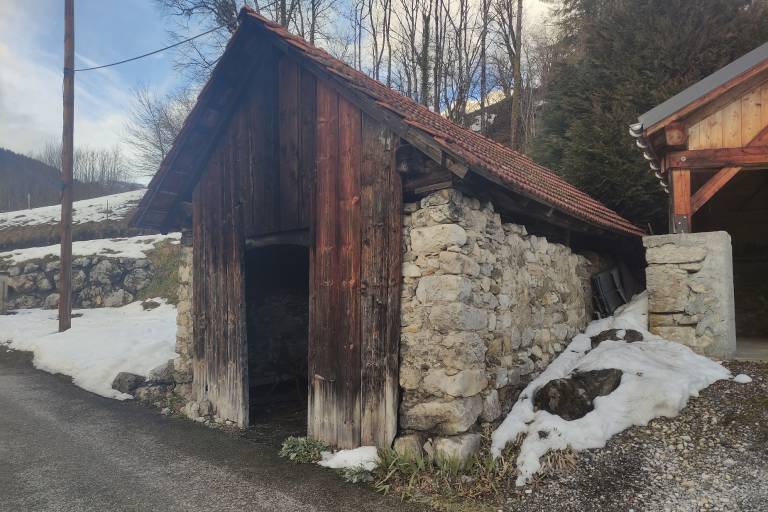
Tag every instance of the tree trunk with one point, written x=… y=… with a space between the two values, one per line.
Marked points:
x=517 y=87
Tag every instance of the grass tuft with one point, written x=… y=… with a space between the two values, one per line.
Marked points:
x=302 y=450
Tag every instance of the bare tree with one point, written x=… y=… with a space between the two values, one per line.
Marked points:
x=154 y=122
x=105 y=167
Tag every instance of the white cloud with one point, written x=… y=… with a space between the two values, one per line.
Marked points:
x=31 y=89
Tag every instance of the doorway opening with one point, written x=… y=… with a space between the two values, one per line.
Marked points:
x=277 y=310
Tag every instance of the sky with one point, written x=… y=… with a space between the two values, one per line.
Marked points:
x=31 y=61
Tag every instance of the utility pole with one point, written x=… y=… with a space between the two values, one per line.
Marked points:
x=67 y=148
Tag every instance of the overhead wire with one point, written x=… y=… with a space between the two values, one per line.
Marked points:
x=152 y=52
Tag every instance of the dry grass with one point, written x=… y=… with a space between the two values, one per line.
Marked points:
x=21 y=237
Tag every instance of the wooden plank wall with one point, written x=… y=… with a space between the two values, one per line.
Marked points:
x=734 y=125
x=354 y=324
x=298 y=155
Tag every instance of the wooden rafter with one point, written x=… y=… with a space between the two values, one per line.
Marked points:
x=712 y=186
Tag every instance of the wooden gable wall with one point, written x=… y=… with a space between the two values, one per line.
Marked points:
x=733 y=125
x=298 y=155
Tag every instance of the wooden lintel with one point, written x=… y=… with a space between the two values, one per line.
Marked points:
x=675 y=134
x=712 y=186
x=293 y=237
x=756 y=156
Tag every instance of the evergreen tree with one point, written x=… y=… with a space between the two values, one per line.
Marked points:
x=625 y=57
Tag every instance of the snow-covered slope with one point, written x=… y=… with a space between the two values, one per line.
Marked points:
x=132 y=247
x=100 y=344
x=98 y=209
x=659 y=377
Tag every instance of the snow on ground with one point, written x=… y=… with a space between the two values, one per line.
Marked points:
x=366 y=457
x=97 y=209
x=659 y=377
x=742 y=378
x=100 y=344
x=132 y=247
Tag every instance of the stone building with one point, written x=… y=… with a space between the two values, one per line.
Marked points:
x=397 y=272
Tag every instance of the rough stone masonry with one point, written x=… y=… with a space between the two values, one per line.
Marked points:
x=690 y=291
x=485 y=307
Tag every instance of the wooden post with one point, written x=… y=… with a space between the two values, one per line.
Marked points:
x=681 y=201
x=3 y=292
x=65 y=272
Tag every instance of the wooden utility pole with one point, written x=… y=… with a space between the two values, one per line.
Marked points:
x=67 y=148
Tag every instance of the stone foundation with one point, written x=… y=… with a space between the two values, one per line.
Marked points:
x=485 y=307
x=690 y=291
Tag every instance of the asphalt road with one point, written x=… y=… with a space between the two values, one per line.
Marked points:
x=65 y=449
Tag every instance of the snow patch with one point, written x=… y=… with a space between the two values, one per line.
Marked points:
x=100 y=344
x=366 y=457
x=97 y=209
x=133 y=247
x=742 y=378
x=658 y=378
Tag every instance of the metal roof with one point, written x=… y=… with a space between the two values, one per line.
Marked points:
x=704 y=86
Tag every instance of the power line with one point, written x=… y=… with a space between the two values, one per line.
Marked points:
x=152 y=52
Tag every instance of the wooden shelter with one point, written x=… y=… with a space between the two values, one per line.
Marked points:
x=288 y=147
x=709 y=148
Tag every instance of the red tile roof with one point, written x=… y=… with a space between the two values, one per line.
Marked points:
x=516 y=170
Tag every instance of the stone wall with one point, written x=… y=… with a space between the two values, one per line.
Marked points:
x=183 y=363
x=97 y=281
x=690 y=290
x=485 y=307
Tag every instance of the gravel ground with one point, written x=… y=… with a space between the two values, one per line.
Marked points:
x=714 y=456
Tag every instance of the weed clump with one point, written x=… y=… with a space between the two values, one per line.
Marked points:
x=302 y=450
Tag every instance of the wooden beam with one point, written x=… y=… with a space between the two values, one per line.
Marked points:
x=712 y=186
x=681 y=201
x=755 y=156
x=675 y=134
x=293 y=237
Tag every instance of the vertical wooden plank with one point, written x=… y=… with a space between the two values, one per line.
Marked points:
x=394 y=253
x=732 y=125
x=288 y=123
x=681 y=200
x=308 y=114
x=694 y=136
x=381 y=215
x=373 y=280
x=712 y=131
x=349 y=272
x=323 y=365
x=751 y=112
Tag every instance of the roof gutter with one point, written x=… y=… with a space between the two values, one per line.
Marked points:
x=636 y=131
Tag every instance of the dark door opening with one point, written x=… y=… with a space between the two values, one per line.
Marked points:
x=277 y=295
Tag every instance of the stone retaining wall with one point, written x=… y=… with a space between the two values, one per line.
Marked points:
x=485 y=307
x=97 y=281
x=690 y=291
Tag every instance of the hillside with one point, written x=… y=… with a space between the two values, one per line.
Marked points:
x=25 y=181
x=100 y=217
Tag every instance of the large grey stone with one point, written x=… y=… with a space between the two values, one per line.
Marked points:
x=444 y=288
x=126 y=382
x=462 y=384
x=104 y=272
x=460 y=449
x=409 y=446
x=670 y=289
x=433 y=239
x=672 y=253
x=445 y=417
x=51 y=301
x=137 y=280
x=458 y=317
